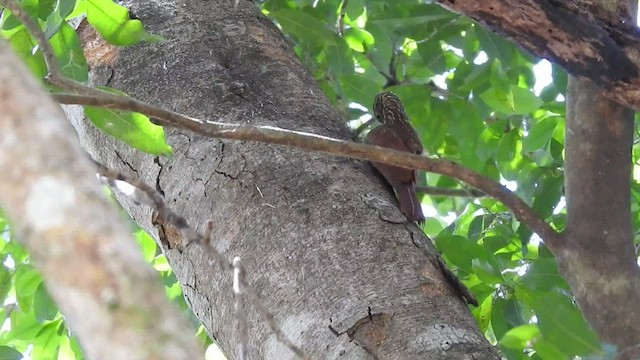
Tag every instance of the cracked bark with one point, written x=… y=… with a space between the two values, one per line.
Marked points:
x=315 y=252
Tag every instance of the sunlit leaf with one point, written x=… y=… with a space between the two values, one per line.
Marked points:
x=540 y=134
x=68 y=50
x=133 y=128
x=520 y=336
x=113 y=23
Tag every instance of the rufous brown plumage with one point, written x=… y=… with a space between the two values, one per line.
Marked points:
x=397 y=133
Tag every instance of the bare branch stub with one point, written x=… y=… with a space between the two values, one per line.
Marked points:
x=241 y=286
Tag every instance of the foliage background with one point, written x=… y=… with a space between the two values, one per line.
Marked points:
x=468 y=93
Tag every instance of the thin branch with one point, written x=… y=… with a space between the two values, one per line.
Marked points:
x=342 y=13
x=438 y=191
x=55 y=76
x=363 y=127
x=156 y=200
x=34 y=29
x=307 y=141
x=272 y=135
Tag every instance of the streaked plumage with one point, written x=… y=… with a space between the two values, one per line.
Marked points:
x=397 y=133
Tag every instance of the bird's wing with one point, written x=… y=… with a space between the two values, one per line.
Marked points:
x=383 y=136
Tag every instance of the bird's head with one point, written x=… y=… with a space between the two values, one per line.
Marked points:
x=387 y=108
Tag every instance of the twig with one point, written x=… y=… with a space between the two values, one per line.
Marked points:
x=307 y=141
x=206 y=238
x=438 y=191
x=238 y=279
x=33 y=28
x=55 y=76
x=340 y=22
x=155 y=200
x=167 y=215
x=363 y=127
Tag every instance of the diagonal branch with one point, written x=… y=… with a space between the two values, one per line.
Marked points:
x=307 y=141
x=439 y=191
x=265 y=134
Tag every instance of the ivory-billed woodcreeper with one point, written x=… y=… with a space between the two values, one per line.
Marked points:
x=397 y=133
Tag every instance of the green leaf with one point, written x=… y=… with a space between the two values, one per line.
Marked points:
x=5 y=283
x=132 y=128
x=380 y=54
x=562 y=325
x=359 y=89
x=23 y=44
x=9 y=21
x=358 y=39
x=498 y=321
x=339 y=58
x=43 y=306
x=45 y=7
x=509 y=157
x=500 y=81
x=459 y=250
x=433 y=56
x=9 y=353
x=147 y=244
x=57 y=17
x=24 y=326
x=548 y=196
x=543 y=276
x=47 y=341
x=114 y=25
x=495 y=46
x=27 y=280
x=524 y=100
x=417 y=15
x=546 y=350
x=68 y=51
x=498 y=100
x=540 y=134
x=520 y=336
x=482 y=313
x=304 y=26
x=488 y=141
x=161 y=263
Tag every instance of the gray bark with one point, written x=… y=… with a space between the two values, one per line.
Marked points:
x=75 y=237
x=597 y=256
x=321 y=237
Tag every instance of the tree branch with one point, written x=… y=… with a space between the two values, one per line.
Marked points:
x=587 y=41
x=264 y=134
x=438 y=191
x=75 y=236
x=301 y=140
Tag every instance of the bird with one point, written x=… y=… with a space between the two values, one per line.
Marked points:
x=396 y=132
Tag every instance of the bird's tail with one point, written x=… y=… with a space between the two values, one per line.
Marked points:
x=409 y=204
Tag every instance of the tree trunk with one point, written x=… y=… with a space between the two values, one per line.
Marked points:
x=321 y=238
x=75 y=236
x=597 y=257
